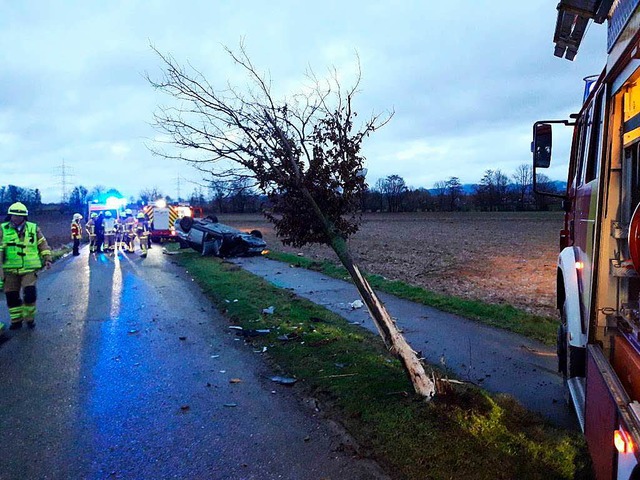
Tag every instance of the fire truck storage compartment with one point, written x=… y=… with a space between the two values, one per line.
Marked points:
x=605 y=397
x=161 y=219
x=626 y=363
x=600 y=418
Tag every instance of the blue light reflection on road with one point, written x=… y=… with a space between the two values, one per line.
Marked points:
x=118 y=373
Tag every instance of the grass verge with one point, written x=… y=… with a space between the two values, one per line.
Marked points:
x=507 y=317
x=466 y=434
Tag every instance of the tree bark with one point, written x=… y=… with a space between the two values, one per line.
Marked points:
x=392 y=337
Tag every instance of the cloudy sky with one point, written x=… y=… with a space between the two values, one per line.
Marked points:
x=466 y=79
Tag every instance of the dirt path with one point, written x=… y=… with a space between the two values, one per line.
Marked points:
x=499 y=361
x=128 y=375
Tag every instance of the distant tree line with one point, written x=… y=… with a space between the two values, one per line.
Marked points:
x=10 y=194
x=494 y=192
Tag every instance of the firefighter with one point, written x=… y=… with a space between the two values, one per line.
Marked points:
x=76 y=233
x=142 y=232
x=23 y=251
x=99 y=229
x=129 y=231
x=109 y=225
x=90 y=227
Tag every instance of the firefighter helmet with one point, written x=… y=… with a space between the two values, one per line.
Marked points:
x=128 y=211
x=141 y=215
x=19 y=209
x=93 y=215
x=107 y=214
x=77 y=216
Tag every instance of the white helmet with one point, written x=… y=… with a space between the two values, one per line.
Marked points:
x=107 y=214
x=77 y=216
x=128 y=211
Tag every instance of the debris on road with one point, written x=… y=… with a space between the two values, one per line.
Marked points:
x=269 y=310
x=356 y=304
x=284 y=380
x=235 y=380
x=254 y=333
x=230 y=404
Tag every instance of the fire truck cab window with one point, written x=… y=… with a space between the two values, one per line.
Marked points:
x=592 y=160
x=584 y=124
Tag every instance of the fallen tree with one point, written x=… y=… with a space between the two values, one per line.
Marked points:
x=303 y=153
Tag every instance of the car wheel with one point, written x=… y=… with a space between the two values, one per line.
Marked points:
x=212 y=218
x=256 y=233
x=186 y=223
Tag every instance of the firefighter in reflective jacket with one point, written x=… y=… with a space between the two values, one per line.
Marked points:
x=109 y=225
x=90 y=227
x=129 y=231
x=76 y=233
x=23 y=251
x=142 y=232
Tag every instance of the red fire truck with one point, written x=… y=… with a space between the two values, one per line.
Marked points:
x=598 y=280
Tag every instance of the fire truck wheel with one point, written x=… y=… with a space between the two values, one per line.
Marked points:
x=256 y=233
x=186 y=223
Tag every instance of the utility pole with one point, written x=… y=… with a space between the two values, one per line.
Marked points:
x=64 y=174
x=178 y=187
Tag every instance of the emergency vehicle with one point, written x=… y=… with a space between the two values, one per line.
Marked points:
x=162 y=218
x=598 y=280
x=115 y=205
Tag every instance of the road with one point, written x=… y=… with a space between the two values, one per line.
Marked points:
x=127 y=375
x=495 y=359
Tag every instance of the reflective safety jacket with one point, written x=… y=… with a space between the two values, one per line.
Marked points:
x=142 y=228
x=22 y=252
x=76 y=230
x=90 y=227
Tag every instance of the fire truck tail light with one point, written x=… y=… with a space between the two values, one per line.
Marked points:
x=579 y=265
x=623 y=443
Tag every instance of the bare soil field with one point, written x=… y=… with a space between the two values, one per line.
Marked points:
x=498 y=257
x=55 y=226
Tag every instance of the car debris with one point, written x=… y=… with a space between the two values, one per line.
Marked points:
x=356 y=304
x=284 y=380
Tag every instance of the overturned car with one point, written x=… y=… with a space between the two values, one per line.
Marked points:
x=209 y=237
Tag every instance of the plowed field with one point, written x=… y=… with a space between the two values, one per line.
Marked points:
x=497 y=257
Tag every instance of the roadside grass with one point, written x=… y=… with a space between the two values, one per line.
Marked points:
x=464 y=434
x=507 y=317
x=58 y=253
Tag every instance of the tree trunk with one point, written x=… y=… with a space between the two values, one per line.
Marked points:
x=393 y=339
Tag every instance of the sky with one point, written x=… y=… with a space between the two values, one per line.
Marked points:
x=466 y=79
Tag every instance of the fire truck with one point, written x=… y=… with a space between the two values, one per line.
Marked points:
x=162 y=218
x=598 y=279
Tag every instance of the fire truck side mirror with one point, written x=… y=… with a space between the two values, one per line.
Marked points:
x=541 y=146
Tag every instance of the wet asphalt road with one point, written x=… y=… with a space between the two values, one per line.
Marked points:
x=497 y=360
x=127 y=376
